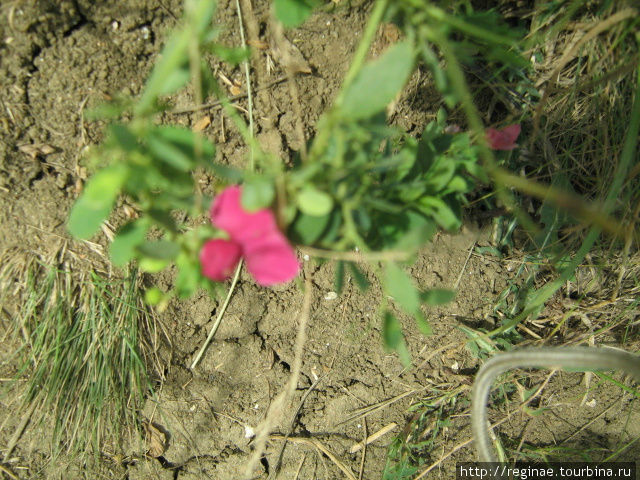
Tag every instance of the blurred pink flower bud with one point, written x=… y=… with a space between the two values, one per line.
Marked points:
x=227 y=214
x=255 y=236
x=218 y=258
x=271 y=259
x=504 y=139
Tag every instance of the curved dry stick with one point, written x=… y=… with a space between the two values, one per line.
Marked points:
x=583 y=358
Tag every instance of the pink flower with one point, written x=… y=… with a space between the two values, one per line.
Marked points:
x=255 y=236
x=504 y=139
x=219 y=258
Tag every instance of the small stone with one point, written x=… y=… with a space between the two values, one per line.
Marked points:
x=331 y=296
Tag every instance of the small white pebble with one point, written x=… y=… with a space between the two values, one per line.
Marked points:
x=331 y=296
x=256 y=406
x=591 y=403
x=146 y=32
x=115 y=25
x=357 y=249
x=248 y=432
x=455 y=367
x=305 y=257
x=192 y=408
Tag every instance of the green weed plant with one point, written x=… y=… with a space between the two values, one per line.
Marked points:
x=363 y=184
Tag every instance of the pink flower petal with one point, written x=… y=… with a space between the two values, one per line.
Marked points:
x=504 y=139
x=271 y=260
x=219 y=258
x=227 y=214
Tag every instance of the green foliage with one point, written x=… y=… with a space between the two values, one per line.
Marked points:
x=393 y=338
x=314 y=202
x=414 y=448
x=257 y=193
x=96 y=201
x=400 y=287
x=293 y=12
x=364 y=184
x=378 y=83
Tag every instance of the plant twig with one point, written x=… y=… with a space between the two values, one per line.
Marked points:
x=13 y=441
x=320 y=447
x=389 y=255
x=248 y=81
x=275 y=410
x=219 y=319
x=219 y=103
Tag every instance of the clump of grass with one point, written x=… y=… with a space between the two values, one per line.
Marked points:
x=588 y=70
x=84 y=353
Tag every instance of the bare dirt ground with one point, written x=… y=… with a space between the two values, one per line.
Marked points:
x=58 y=58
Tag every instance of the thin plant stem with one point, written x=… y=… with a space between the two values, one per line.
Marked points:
x=248 y=80
x=582 y=358
x=214 y=329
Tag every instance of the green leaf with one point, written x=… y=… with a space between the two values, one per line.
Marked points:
x=169 y=154
x=207 y=80
x=333 y=229
x=293 y=12
x=359 y=277
x=152 y=265
x=314 y=202
x=458 y=184
x=419 y=232
x=232 y=55
x=153 y=296
x=123 y=247
x=170 y=72
x=422 y=323
x=230 y=174
x=96 y=201
x=199 y=16
x=441 y=212
x=437 y=296
x=107 y=111
x=307 y=229
x=159 y=249
x=378 y=82
x=440 y=174
x=123 y=136
x=189 y=275
x=257 y=193
x=483 y=342
x=190 y=143
x=393 y=338
x=400 y=287
x=163 y=218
